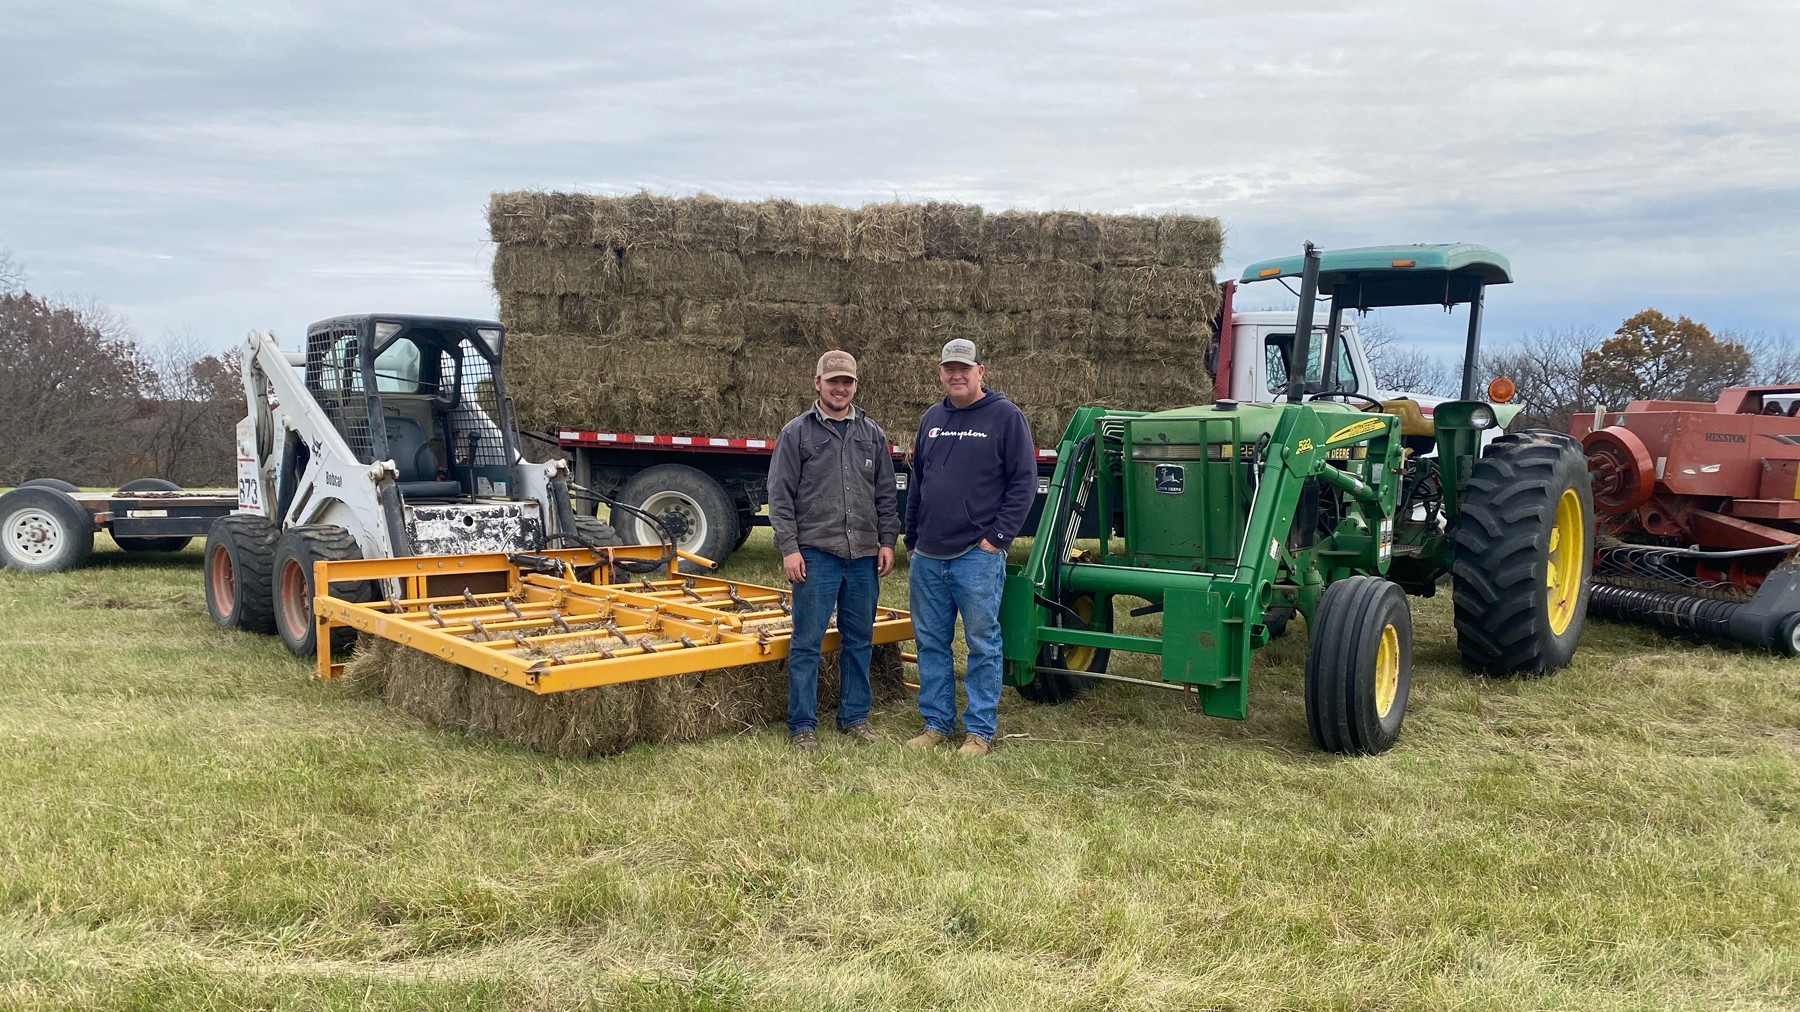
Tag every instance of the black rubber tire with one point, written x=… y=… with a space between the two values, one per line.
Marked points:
x=698 y=488
x=238 y=570
x=1502 y=541
x=150 y=485
x=292 y=591
x=42 y=530
x=1277 y=619
x=746 y=524
x=1049 y=688
x=1342 y=711
x=55 y=483
x=596 y=532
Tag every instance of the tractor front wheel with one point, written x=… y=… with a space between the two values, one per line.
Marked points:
x=1050 y=688
x=1359 y=666
x=1524 y=555
x=293 y=591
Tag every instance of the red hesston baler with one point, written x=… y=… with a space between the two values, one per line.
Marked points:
x=1698 y=509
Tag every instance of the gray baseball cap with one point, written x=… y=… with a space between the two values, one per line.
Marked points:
x=959 y=350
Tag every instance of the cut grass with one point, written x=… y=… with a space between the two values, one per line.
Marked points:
x=191 y=823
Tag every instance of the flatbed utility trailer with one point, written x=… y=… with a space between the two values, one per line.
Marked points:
x=48 y=526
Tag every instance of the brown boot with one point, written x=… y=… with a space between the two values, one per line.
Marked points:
x=806 y=741
x=863 y=734
x=974 y=744
x=927 y=739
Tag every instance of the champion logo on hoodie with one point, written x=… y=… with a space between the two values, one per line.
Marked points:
x=935 y=432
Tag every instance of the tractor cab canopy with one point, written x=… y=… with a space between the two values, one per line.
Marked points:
x=1370 y=277
x=423 y=391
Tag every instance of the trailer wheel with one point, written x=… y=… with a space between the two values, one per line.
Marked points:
x=1359 y=666
x=42 y=530
x=240 y=567
x=292 y=594
x=1524 y=555
x=687 y=498
x=168 y=544
x=1049 y=688
x=55 y=483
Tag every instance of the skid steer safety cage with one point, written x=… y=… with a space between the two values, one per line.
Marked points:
x=557 y=620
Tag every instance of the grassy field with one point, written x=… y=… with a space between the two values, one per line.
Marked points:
x=186 y=821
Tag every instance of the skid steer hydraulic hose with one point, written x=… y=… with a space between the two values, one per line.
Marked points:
x=637 y=566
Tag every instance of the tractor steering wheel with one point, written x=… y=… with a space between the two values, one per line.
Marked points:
x=1374 y=405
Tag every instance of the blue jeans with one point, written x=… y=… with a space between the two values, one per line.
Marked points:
x=969 y=584
x=850 y=586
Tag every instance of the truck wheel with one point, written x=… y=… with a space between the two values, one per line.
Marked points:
x=240 y=567
x=292 y=595
x=169 y=544
x=42 y=530
x=1524 y=555
x=1359 y=666
x=596 y=532
x=686 y=498
x=746 y=524
x=55 y=483
x=1053 y=688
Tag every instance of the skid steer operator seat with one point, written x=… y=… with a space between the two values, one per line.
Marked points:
x=411 y=452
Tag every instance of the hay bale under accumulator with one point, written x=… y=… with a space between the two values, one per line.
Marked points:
x=604 y=720
x=703 y=316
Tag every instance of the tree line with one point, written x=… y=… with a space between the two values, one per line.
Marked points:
x=82 y=400
x=1561 y=372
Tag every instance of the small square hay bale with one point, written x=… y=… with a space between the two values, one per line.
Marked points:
x=541 y=218
x=705 y=222
x=917 y=284
x=543 y=270
x=1021 y=287
x=890 y=233
x=649 y=221
x=827 y=231
x=683 y=274
x=1184 y=292
x=509 y=217
x=785 y=278
x=953 y=231
x=1185 y=240
x=1151 y=384
x=1013 y=237
x=1048 y=386
x=559 y=314
x=1070 y=237
x=775 y=228
x=612 y=223
x=698 y=325
x=1055 y=331
x=1126 y=240
x=816 y=328
x=1180 y=343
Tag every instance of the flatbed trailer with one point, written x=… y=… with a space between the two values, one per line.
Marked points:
x=48 y=526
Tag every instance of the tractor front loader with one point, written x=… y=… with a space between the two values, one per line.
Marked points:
x=1229 y=518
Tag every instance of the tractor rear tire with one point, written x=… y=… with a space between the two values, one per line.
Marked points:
x=239 y=570
x=1053 y=688
x=1524 y=555
x=168 y=544
x=1359 y=666
x=42 y=530
x=293 y=591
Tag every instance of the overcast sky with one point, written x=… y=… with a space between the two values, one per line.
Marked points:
x=223 y=166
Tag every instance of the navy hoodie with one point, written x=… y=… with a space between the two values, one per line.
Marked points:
x=974 y=476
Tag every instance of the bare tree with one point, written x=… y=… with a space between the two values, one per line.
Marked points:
x=186 y=426
x=67 y=391
x=1774 y=359
x=1402 y=368
x=12 y=273
x=1545 y=366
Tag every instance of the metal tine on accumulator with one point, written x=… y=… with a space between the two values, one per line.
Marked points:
x=469 y=598
x=437 y=616
x=481 y=632
x=513 y=610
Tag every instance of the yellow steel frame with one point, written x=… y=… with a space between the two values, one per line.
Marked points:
x=575 y=630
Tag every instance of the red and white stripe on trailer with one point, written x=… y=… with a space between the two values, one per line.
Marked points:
x=572 y=437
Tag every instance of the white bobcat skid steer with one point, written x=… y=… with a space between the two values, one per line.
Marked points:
x=396 y=441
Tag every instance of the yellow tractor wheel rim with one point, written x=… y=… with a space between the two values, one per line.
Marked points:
x=1562 y=575
x=1387 y=670
x=1078 y=658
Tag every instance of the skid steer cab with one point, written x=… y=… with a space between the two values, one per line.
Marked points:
x=1226 y=520
x=387 y=436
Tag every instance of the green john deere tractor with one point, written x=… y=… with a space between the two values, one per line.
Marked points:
x=1229 y=518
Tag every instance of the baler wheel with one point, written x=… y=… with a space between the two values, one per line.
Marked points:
x=240 y=564
x=293 y=591
x=1359 y=666
x=1524 y=555
x=1051 y=688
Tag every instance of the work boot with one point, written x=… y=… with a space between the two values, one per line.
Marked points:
x=974 y=744
x=927 y=739
x=862 y=733
x=806 y=741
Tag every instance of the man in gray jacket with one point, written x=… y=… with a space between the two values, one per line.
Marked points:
x=833 y=508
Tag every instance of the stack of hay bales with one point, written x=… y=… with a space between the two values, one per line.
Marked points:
x=698 y=315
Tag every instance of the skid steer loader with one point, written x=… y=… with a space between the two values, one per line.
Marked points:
x=388 y=436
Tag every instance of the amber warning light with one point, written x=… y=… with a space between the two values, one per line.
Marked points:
x=1501 y=390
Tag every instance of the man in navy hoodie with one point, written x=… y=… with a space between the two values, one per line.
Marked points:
x=974 y=474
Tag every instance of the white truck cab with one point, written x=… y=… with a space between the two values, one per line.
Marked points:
x=1263 y=343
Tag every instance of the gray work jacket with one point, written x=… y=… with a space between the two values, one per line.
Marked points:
x=830 y=492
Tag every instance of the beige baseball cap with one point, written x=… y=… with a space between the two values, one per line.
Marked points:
x=959 y=350
x=836 y=363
